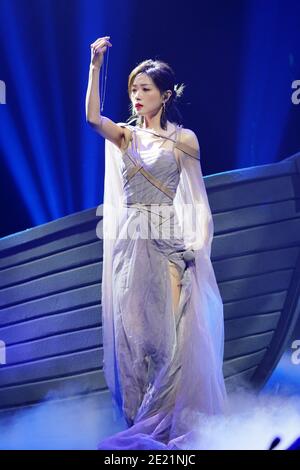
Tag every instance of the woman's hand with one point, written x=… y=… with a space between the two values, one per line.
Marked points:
x=98 y=48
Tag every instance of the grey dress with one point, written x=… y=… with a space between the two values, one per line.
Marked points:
x=149 y=330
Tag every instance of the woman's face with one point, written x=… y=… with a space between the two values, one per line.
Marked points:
x=145 y=92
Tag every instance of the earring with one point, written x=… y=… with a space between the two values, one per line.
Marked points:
x=164 y=107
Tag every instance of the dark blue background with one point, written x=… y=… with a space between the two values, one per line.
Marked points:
x=238 y=60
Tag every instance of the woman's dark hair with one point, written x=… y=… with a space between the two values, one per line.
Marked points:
x=164 y=78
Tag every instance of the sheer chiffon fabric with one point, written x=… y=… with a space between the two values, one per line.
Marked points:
x=162 y=362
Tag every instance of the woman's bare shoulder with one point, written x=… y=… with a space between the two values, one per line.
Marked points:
x=188 y=135
x=190 y=140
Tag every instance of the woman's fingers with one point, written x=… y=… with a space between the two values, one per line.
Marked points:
x=99 y=40
x=101 y=45
x=100 y=49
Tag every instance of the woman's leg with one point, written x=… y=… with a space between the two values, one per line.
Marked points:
x=175 y=284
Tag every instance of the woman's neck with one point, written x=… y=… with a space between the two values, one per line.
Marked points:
x=153 y=129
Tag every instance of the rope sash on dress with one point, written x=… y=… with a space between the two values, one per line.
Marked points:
x=138 y=167
x=188 y=255
x=185 y=148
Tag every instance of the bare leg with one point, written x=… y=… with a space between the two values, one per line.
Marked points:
x=175 y=284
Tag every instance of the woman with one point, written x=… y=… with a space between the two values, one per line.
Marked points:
x=162 y=312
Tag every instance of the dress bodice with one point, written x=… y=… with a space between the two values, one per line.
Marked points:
x=150 y=170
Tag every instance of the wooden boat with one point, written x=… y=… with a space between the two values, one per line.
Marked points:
x=50 y=289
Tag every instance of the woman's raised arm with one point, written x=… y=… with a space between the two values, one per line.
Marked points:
x=101 y=124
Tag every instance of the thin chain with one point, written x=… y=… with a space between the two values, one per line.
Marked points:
x=103 y=82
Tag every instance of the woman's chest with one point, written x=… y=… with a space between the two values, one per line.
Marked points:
x=157 y=161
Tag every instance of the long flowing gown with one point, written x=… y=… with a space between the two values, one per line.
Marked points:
x=162 y=312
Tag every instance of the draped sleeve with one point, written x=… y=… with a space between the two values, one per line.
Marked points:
x=112 y=207
x=191 y=202
x=195 y=217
